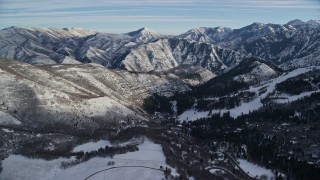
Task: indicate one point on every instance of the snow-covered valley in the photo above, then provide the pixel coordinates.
(128, 166)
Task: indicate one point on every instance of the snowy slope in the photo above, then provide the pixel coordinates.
(256, 71)
(262, 91)
(40, 45)
(80, 97)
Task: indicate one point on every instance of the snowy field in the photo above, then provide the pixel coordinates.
(17, 167)
(255, 170)
(192, 115)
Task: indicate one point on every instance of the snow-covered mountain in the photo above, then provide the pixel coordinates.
(82, 97)
(295, 44)
(41, 45)
(287, 44)
(54, 46)
(167, 53)
(208, 35)
(141, 50)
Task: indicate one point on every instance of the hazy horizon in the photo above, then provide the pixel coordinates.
(166, 17)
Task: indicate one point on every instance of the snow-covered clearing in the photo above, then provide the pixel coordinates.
(192, 115)
(7, 119)
(149, 155)
(91, 146)
(255, 170)
(295, 97)
(7, 130)
(216, 171)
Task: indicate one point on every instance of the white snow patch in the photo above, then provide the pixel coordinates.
(255, 170)
(91, 146)
(174, 107)
(130, 44)
(192, 115)
(216, 171)
(7, 130)
(69, 60)
(295, 97)
(245, 108)
(7, 119)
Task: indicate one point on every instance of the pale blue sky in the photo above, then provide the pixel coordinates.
(164, 16)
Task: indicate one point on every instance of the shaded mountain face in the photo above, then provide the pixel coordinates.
(83, 98)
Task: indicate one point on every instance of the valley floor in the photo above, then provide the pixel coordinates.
(149, 155)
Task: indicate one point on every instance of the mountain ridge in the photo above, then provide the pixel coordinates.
(285, 45)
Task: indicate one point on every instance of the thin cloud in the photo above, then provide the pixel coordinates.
(95, 18)
(189, 13)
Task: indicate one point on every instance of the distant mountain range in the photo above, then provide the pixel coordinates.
(295, 44)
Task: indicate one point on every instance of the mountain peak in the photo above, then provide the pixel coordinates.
(144, 34)
(257, 24)
(144, 29)
(314, 22)
(223, 29)
(295, 22)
